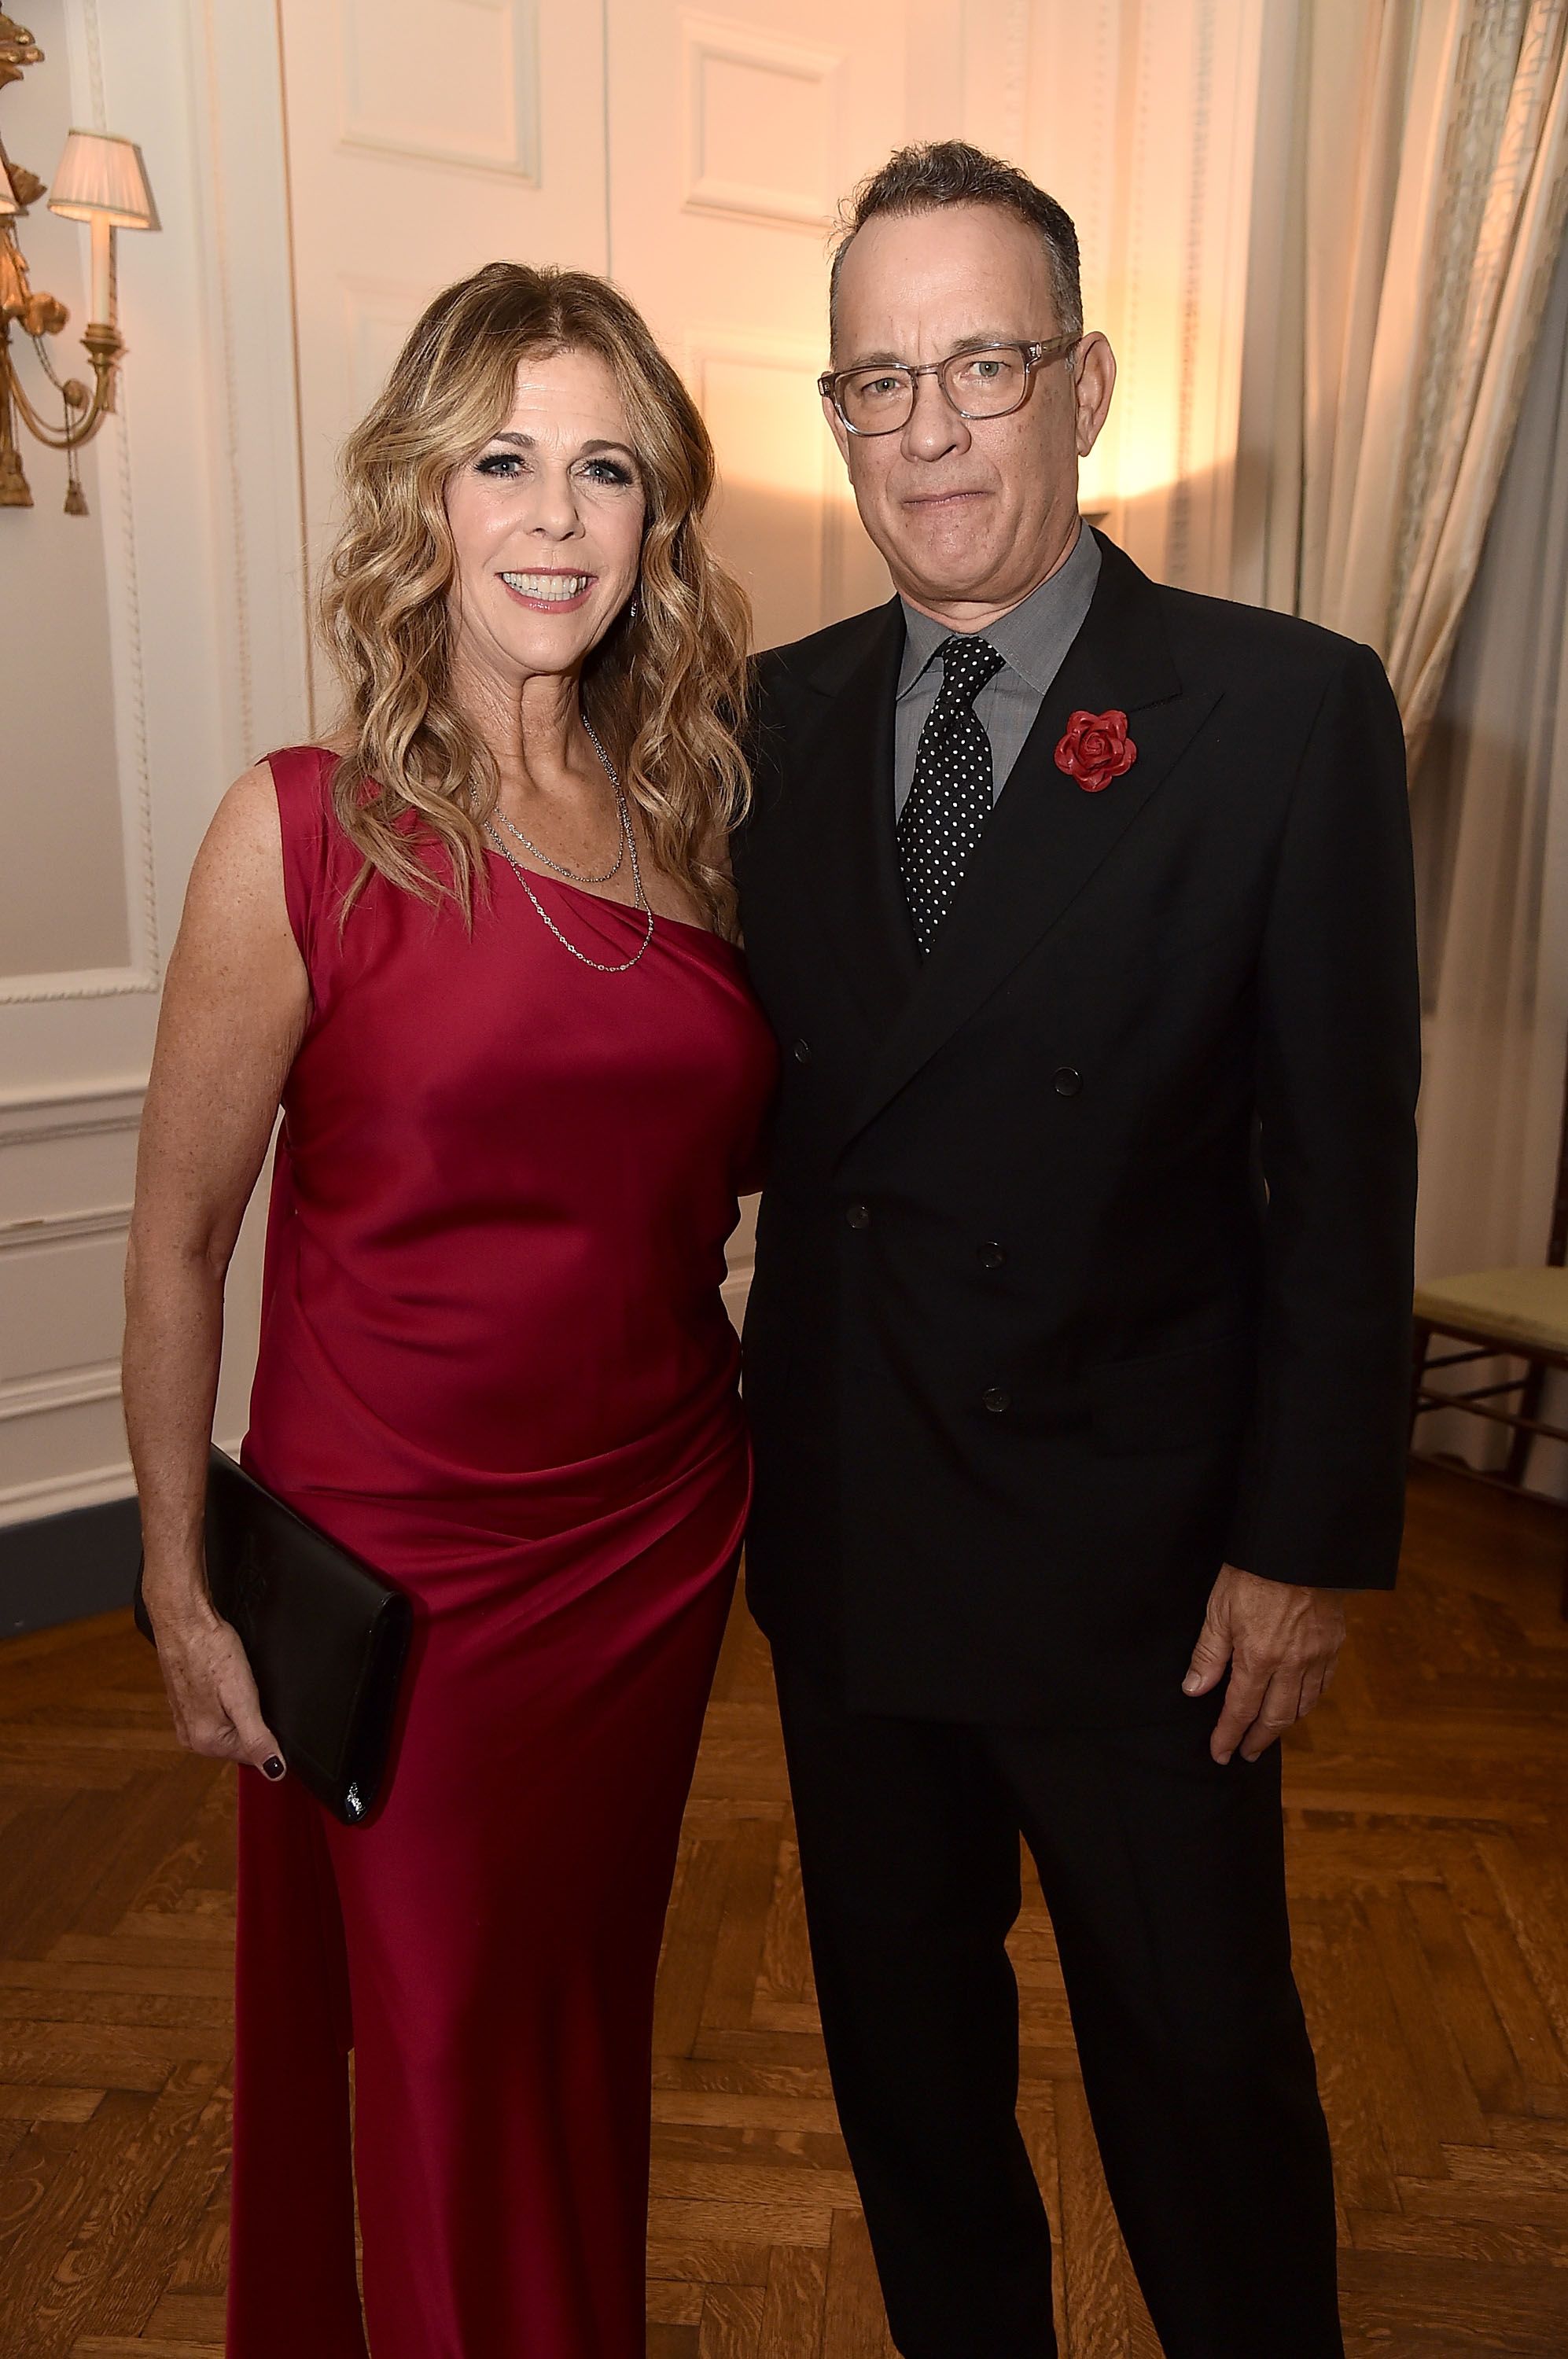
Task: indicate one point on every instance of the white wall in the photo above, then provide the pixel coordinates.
(57, 762)
(167, 632)
(187, 493)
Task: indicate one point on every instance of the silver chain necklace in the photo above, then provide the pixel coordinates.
(628, 842)
(572, 875)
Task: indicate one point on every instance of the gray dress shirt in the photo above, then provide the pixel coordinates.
(1032, 640)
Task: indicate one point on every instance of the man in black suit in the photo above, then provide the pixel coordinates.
(1077, 1348)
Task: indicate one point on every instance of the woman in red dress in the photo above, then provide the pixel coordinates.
(479, 949)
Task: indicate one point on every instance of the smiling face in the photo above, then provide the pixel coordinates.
(970, 514)
(547, 523)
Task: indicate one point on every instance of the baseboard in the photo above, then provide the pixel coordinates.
(63, 1568)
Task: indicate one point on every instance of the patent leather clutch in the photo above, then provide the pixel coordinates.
(326, 1636)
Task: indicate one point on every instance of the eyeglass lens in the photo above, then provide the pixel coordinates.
(978, 385)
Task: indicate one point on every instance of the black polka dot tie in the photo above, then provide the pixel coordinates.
(950, 801)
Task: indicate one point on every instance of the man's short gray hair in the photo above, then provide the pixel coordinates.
(951, 172)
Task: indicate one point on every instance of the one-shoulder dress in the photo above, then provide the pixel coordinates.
(495, 1363)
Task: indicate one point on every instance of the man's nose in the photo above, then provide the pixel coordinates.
(934, 428)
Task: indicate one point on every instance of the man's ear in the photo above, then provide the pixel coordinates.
(839, 429)
(1093, 382)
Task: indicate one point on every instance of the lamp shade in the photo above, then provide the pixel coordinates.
(100, 178)
(9, 205)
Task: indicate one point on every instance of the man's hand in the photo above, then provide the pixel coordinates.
(1281, 1644)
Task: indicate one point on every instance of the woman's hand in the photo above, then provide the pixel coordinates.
(212, 1693)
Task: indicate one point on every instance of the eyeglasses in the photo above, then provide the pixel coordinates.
(987, 382)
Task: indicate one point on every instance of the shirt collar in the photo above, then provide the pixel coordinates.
(1032, 637)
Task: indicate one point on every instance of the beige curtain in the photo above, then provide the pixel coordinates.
(1421, 211)
(1489, 802)
(1412, 191)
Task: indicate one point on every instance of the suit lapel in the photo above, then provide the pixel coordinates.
(1046, 837)
(842, 762)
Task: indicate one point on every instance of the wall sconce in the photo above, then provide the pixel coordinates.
(100, 182)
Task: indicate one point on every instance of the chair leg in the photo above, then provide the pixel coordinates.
(1420, 1343)
(1529, 1406)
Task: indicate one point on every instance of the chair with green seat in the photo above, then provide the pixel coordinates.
(1515, 1314)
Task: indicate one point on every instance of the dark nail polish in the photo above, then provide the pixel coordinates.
(273, 1768)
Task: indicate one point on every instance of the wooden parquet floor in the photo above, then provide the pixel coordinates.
(1429, 1847)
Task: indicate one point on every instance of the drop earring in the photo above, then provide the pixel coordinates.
(635, 609)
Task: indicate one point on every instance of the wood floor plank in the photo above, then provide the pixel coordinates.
(1106, 2314)
(732, 1985)
(1450, 2309)
(732, 2322)
(115, 2265)
(671, 2342)
(854, 2325)
(794, 2297)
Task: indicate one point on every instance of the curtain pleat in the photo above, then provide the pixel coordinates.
(1431, 197)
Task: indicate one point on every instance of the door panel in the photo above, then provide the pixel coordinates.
(732, 139)
(426, 138)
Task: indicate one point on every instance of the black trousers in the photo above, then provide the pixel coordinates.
(1164, 1878)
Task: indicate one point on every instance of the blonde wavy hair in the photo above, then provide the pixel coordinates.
(665, 689)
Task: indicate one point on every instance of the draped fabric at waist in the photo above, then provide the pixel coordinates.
(342, 1448)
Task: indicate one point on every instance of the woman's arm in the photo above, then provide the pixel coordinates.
(234, 1008)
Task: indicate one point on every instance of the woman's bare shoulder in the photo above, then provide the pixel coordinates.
(246, 824)
(238, 871)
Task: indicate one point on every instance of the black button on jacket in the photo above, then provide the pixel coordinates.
(1165, 1044)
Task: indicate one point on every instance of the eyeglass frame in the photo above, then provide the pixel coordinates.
(1036, 355)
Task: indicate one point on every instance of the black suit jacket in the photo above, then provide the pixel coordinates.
(1084, 1261)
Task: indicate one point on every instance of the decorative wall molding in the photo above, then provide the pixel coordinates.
(67, 1156)
(69, 1111)
(252, 367)
(768, 348)
(986, 96)
(1015, 77)
(146, 971)
(69, 1388)
(62, 1228)
(799, 471)
(142, 971)
(792, 478)
(713, 42)
(97, 1485)
(80, 983)
(218, 183)
(509, 79)
(378, 315)
(1177, 544)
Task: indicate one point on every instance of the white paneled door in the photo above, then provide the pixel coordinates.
(428, 137)
(734, 134)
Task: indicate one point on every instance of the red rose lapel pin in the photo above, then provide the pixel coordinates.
(1096, 749)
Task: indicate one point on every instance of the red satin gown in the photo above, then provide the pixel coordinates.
(495, 1362)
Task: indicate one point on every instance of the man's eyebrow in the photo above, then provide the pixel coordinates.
(987, 336)
(975, 343)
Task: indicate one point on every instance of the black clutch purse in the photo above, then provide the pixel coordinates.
(326, 1637)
